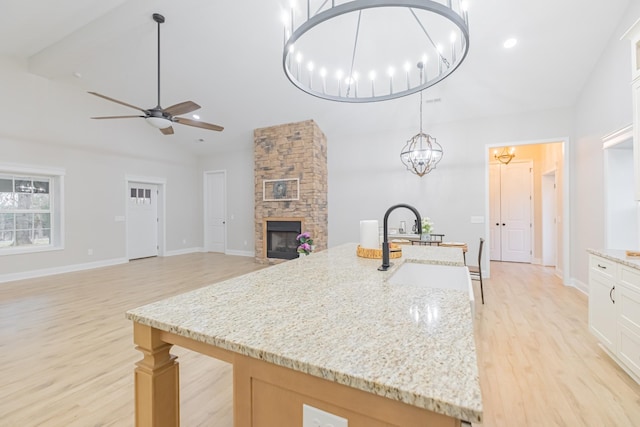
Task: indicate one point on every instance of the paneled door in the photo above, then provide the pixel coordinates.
(510, 211)
(142, 221)
(215, 211)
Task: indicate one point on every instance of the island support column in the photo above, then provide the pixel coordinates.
(157, 384)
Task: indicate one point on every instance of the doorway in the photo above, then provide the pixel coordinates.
(510, 200)
(145, 213)
(548, 157)
(215, 211)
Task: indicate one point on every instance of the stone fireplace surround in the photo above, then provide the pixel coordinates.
(286, 152)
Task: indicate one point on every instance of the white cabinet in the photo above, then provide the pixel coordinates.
(636, 135)
(602, 308)
(629, 318)
(614, 311)
(633, 34)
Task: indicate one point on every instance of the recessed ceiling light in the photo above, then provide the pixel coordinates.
(197, 117)
(509, 43)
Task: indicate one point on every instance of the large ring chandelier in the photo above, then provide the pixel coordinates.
(385, 37)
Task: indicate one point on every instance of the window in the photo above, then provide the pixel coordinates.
(30, 210)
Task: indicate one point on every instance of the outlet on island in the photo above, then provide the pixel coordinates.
(314, 417)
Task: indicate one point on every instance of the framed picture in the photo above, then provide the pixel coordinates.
(285, 189)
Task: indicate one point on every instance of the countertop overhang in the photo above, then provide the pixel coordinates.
(333, 315)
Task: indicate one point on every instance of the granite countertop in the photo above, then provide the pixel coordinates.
(333, 315)
(617, 255)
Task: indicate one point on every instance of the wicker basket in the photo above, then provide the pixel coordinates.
(395, 251)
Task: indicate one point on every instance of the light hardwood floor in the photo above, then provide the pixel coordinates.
(67, 355)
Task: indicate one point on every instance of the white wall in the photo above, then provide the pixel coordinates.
(55, 131)
(604, 106)
(366, 176)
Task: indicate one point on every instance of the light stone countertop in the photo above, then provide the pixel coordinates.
(617, 255)
(332, 315)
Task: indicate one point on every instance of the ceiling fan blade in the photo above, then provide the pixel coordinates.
(182, 108)
(167, 131)
(118, 117)
(197, 124)
(118, 102)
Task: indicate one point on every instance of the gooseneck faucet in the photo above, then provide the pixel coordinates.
(385, 243)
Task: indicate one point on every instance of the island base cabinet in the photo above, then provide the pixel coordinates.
(266, 395)
(614, 311)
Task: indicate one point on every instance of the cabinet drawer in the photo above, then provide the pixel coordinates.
(629, 349)
(630, 277)
(602, 266)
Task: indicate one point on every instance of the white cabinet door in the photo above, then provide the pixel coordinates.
(636, 135)
(602, 310)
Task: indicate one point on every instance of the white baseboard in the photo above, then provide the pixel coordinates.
(183, 251)
(582, 287)
(240, 253)
(59, 270)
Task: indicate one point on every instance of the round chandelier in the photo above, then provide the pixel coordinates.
(421, 153)
(383, 37)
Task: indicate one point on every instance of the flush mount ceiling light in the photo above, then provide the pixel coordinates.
(421, 153)
(509, 43)
(360, 50)
(505, 156)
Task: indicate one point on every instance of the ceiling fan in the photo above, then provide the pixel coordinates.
(162, 118)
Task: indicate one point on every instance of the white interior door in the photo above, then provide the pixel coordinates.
(510, 211)
(142, 221)
(215, 211)
(549, 228)
(515, 212)
(495, 251)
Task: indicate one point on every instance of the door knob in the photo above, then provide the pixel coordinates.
(498, 224)
(503, 224)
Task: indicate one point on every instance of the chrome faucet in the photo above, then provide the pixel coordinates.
(385, 243)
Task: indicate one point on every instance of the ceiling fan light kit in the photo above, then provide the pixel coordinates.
(158, 117)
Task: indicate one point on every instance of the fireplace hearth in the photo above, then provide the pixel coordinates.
(281, 239)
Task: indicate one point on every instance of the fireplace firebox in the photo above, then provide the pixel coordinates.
(281, 239)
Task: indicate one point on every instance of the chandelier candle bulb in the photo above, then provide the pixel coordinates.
(369, 234)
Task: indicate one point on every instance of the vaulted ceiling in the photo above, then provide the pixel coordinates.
(226, 56)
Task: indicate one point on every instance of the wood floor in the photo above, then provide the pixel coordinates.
(67, 355)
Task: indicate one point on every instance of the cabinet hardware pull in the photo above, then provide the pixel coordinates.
(610, 292)
(604, 267)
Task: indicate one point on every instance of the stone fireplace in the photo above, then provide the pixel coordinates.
(290, 189)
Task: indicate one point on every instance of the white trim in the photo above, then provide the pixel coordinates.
(184, 251)
(59, 270)
(205, 198)
(236, 252)
(56, 191)
(579, 285)
(536, 261)
(30, 169)
(566, 204)
(162, 209)
(617, 137)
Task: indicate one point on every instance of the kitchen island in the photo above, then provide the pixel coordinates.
(327, 331)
